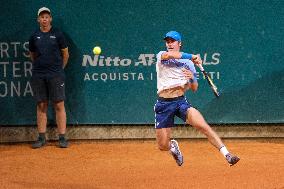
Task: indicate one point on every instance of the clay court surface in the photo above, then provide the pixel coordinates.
(139, 164)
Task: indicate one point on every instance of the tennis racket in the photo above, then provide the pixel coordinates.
(209, 80)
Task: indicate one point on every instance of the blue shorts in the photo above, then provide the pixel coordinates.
(167, 108)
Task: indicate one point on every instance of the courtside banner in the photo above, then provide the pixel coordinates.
(241, 44)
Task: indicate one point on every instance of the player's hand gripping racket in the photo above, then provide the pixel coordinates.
(209, 80)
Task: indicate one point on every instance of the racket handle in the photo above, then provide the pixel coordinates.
(200, 67)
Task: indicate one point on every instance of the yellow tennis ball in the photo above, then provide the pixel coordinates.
(97, 50)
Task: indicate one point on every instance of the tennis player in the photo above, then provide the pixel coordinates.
(175, 75)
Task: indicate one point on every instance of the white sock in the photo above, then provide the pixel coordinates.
(224, 151)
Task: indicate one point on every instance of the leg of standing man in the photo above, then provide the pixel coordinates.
(61, 123)
(41, 124)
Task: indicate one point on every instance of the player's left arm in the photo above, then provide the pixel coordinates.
(191, 77)
(192, 86)
(65, 56)
(181, 55)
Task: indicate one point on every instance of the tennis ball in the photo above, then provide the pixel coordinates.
(97, 50)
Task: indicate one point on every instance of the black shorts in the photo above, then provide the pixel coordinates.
(52, 89)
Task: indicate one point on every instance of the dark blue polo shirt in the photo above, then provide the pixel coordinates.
(47, 47)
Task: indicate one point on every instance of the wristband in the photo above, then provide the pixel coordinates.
(186, 56)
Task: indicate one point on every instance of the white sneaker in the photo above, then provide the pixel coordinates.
(176, 153)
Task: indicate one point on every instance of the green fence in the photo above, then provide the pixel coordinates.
(241, 43)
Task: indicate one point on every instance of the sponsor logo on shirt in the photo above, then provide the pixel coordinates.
(173, 63)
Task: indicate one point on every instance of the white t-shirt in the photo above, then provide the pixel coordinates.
(169, 73)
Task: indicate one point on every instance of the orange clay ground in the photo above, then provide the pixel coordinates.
(139, 164)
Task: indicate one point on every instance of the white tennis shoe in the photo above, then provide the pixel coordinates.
(176, 153)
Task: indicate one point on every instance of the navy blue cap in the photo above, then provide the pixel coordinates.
(174, 35)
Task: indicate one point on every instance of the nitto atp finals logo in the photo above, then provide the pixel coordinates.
(100, 68)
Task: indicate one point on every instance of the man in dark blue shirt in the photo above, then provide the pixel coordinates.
(49, 54)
